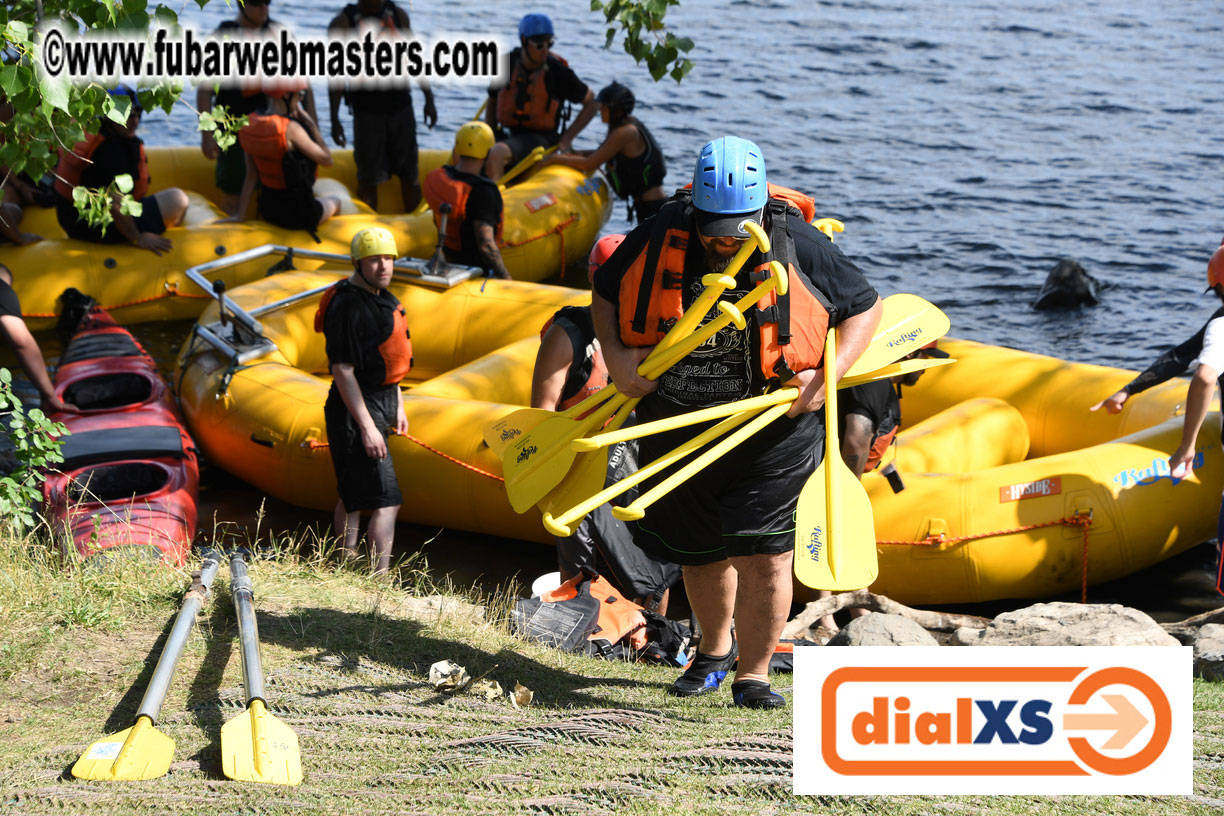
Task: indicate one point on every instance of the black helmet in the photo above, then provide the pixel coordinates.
(617, 97)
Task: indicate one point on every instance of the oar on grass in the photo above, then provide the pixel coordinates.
(255, 745)
(143, 752)
(834, 526)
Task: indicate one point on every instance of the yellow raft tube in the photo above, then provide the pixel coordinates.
(1005, 468)
(259, 416)
(551, 220)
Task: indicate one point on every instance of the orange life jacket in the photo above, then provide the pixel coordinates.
(791, 329)
(525, 103)
(587, 373)
(879, 447)
(71, 165)
(396, 350)
(266, 140)
(445, 186)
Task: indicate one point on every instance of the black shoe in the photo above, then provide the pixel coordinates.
(704, 674)
(756, 694)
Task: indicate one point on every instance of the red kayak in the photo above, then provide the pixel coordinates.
(130, 477)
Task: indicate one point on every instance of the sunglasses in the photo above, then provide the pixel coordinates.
(542, 41)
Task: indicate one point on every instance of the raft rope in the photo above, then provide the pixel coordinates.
(314, 444)
(171, 290)
(559, 229)
(1082, 519)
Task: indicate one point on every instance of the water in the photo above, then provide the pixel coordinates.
(967, 146)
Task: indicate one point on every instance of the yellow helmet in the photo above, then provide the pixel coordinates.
(474, 139)
(373, 241)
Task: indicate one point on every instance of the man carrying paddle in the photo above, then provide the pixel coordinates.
(732, 526)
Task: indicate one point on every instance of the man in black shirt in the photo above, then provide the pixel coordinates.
(732, 526)
(368, 353)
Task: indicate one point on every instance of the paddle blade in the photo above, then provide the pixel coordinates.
(258, 747)
(501, 434)
(840, 559)
(139, 752)
(907, 324)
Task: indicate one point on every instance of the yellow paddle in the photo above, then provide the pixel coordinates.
(572, 490)
(834, 527)
(538, 460)
(143, 752)
(255, 745)
(907, 324)
(526, 162)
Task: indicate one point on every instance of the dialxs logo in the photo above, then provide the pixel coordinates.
(907, 337)
(1084, 720)
(815, 544)
(526, 453)
(1159, 469)
(1030, 490)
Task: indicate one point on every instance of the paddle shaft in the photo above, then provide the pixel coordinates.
(155, 694)
(832, 451)
(248, 631)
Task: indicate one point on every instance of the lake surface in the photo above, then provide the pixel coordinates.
(967, 146)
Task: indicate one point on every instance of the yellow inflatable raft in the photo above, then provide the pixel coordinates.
(1014, 489)
(255, 404)
(551, 220)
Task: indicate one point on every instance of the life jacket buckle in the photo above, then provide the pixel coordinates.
(767, 315)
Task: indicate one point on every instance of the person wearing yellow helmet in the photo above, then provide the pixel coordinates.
(368, 352)
(472, 203)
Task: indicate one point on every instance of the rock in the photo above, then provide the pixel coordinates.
(1209, 653)
(1066, 287)
(878, 629)
(1069, 624)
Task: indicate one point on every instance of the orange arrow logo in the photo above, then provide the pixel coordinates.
(1126, 721)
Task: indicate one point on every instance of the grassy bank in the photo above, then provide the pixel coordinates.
(347, 660)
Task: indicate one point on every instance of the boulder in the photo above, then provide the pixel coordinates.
(1209, 653)
(1069, 624)
(878, 629)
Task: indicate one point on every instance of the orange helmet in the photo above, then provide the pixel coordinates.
(601, 252)
(1215, 267)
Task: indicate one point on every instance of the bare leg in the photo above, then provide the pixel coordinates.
(173, 204)
(411, 193)
(10, 216)
(229, 204)
(381, 533)
(712, 591)
(346, 527)
(331, 206)
(369, 194)
(827, 621)
(495, 164)
(761, 609)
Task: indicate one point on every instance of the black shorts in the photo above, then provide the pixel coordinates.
(385, 145)
(149, 220)
(290, 209)
(363, 483)
(525, 141)
(742, 504)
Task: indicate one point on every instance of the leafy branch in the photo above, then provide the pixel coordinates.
(645, 37)
(36, 446)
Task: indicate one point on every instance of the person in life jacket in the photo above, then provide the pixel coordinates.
(283, 147)
(368, 352)
(630, 155)
(473, 224)
(732, 526)
(1203, 355)
(870, 416)
(19, 191)
(529, 106)
(251, 21)
(116, 150)
(568, 368)
(384, 124)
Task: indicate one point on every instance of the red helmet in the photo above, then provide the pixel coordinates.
(1215, 267)
(601, 252)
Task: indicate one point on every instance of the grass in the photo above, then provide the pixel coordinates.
(347, 659)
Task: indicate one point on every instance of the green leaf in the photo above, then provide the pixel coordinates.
(11, 80)
(124, 182)
(682, 43)
(130, 206)
(80, 196)
(55, 92)
(120, 109)
(17, 31)
(596, 5)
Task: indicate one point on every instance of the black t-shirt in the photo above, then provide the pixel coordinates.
(877, 401)
(725, 369)
(9, 304)
(357, 322)
(484, 204)
(232, 96)
(114, 157)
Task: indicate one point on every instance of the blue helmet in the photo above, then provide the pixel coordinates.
(533, 25)
(729, 177)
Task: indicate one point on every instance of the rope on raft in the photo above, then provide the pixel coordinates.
(559, 229)
(171, 290)
(1083, 520)
(314, 444)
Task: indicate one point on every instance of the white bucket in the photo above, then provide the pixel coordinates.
(545, 583)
